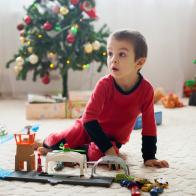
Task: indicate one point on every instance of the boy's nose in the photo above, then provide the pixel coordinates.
(115, 60)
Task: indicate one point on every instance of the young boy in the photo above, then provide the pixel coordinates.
(114, 105)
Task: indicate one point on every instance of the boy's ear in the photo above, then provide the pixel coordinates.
(140, 62)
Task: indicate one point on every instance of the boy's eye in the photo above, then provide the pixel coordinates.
(110, 54)
(122, 54)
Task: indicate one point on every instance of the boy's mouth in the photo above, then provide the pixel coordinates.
(114, 69)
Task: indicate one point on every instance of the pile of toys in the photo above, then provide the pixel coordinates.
(159, 93)
(25, 153)
(141, 184)
(170, 100)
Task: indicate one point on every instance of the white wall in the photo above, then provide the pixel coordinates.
(168, 25)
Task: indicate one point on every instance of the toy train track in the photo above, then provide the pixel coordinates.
(59, 179)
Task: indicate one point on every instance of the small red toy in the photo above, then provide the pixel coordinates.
(135, 191)
(39, 164)
(189, 87)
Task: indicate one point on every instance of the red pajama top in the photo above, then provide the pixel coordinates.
(116, 112)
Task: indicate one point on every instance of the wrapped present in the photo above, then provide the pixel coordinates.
(75, 109)
(35, 111)
(77, 103)
(45, 107)
(48, 107)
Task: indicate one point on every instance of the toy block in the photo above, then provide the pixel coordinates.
(158, 119)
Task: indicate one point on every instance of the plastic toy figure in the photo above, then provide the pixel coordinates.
(39, 164)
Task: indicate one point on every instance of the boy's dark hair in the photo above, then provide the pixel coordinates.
(137, 40)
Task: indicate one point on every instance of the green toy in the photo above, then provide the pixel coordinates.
(120, 177)
(65, 148)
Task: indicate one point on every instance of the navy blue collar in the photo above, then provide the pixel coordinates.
(130, 90)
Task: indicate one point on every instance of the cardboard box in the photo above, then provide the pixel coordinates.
(35, 111)
(73, 108)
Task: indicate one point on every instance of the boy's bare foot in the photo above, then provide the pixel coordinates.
(38, 143)
(43, 151)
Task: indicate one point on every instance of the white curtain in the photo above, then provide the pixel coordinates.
(168, 25)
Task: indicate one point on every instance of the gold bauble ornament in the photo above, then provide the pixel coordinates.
(88, 48)
(22, 40)
(64, 10)
(52, 56)
(33, 59)
(96, 45)
(30, 49)
(19, 61)
(17, 69)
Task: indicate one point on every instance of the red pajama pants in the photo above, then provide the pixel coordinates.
(75, 137)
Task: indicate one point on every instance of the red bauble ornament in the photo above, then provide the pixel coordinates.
(74, 2)
(47, 26)
(46, 79)
(92, 13)
(20, 26)
(56, 9)
(88, 9)
(27, 20)
(70, 38)
(86, 6)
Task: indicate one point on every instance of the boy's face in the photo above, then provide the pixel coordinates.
(121, 59)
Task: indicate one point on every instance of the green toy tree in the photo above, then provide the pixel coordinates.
(59, 34)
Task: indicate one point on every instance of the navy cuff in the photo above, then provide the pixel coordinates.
(97, 135)
(149, 147)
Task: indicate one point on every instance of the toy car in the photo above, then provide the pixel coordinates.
(135, 191)
(161, 183)
(156, 191)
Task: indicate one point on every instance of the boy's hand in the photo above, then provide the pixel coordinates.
(156, 163)
(111, 151)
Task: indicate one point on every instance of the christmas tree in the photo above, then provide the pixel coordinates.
(59, 34)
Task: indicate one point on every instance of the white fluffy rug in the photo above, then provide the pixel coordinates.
(176, 143)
